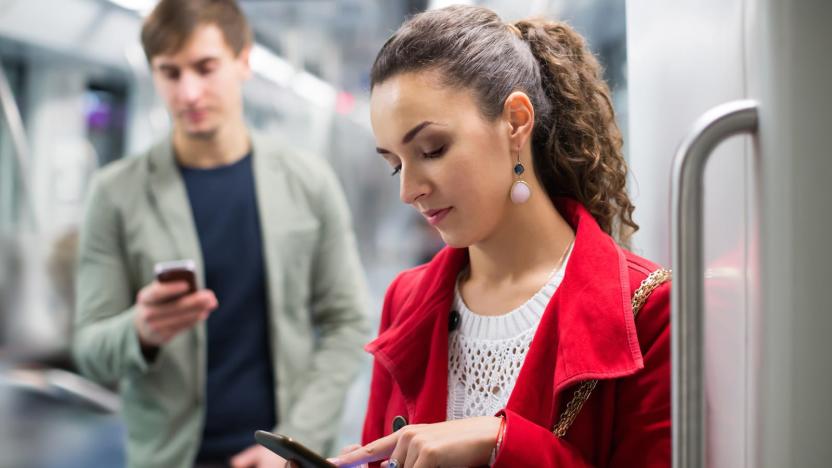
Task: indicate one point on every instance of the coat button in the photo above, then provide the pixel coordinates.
(399, 422)
(453, 320)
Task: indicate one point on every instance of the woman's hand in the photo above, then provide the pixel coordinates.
(348, 449)
(463, 442)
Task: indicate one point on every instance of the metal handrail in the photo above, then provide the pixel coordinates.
(63, 386)
(687, 311)
(20, 144)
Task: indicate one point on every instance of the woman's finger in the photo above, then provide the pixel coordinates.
(349, 448)
(405, 452)
(424, 461)
(374, 451)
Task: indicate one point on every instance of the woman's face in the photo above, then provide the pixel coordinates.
(454, 166)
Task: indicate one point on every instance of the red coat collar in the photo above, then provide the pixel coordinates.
(586, 332)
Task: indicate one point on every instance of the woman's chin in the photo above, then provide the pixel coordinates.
(455, 239)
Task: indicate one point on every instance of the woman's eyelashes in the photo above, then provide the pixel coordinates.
(427, 155)
(435, 153)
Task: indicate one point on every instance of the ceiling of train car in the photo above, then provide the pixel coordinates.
(337, 39)
(334, 40)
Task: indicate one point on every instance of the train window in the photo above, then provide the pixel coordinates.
(105, 116)
(603, 23)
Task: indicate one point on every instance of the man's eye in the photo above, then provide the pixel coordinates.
(396, 170)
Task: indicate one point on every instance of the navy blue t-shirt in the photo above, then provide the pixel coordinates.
(239, 393)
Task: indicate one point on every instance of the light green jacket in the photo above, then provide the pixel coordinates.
(138, 214)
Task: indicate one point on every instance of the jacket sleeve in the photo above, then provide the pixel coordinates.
(641, 432)
(338, 307)
(527, 444)
(381, 385)
(105, 344)
(642, 428)
(374, 422)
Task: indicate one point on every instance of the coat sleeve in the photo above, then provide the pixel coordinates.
(642, 428)
(338, 307)
(641, 431)
(381, 385)
(105, 344)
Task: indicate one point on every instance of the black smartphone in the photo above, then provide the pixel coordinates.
(177, 270)
(292, 450)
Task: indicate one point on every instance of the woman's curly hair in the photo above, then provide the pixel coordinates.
(576, 143)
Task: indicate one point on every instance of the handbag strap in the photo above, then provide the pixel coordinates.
(653, 281)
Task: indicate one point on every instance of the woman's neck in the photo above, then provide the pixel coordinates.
(529, 245)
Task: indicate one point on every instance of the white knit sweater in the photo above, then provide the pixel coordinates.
(486, 352)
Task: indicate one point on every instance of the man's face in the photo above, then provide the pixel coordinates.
(201, 83)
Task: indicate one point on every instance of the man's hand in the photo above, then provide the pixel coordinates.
(258, 456)
(162, 314)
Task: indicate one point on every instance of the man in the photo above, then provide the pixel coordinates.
(273, 339)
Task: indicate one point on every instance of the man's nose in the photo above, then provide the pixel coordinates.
(189, 88)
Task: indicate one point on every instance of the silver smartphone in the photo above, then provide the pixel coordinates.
(291, 450)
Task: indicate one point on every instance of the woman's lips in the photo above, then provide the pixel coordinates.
(434, 217)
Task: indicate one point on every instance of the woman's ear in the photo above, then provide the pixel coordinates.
(519, 113)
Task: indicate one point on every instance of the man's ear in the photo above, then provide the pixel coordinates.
(244, 61)
(518, 112)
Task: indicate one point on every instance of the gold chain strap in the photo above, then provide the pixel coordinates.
(585, 389)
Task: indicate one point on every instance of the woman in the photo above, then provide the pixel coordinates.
(504, 138)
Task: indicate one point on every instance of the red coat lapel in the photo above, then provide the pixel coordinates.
(414, 350)
(588, 331)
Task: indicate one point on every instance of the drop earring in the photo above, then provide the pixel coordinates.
(520, 190)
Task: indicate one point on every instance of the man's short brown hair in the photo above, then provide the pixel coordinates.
(173, 21)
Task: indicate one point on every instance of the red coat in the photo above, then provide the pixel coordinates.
(587, 332)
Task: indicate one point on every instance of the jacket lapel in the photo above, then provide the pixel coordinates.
(168, 196)
(170, 200)
(270, 188)
(586, 332)
(415, 349)
(274, 206)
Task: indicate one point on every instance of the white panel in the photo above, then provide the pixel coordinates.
(684, 58)
(62, 158)
(791, 66)
(87, 29)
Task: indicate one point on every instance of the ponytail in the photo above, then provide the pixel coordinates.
(577, 145)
